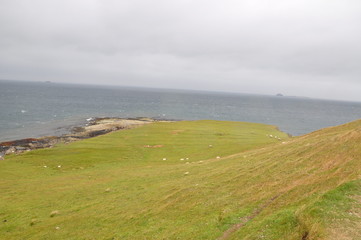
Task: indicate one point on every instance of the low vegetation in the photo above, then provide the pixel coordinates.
(187, 180)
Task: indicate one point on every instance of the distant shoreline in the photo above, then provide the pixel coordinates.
(94, 127)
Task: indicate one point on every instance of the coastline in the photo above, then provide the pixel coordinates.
(94, 127)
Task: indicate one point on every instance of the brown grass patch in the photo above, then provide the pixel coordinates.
(153, 146)
(176, 132)
(347, 229)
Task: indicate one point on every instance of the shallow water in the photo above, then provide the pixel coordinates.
(34, 109)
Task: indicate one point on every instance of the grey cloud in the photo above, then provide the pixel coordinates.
(247, 46)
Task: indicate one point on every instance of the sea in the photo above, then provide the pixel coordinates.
(36, 109)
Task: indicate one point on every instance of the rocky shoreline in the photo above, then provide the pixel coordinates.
(94, 127)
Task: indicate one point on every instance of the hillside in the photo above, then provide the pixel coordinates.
(188, 180)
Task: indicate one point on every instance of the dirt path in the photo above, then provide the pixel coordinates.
(245, 220)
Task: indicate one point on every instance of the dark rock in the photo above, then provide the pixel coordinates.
(77, 129)
(97, 133)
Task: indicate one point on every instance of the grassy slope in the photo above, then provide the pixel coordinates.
(112, 187)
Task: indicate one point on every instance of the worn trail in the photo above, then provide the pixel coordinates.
(245, 220)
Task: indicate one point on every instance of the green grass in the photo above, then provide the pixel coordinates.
(115, 187)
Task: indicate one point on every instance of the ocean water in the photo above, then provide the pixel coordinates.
(34, 109)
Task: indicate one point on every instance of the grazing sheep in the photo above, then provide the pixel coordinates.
(54, 213)
(33, 221)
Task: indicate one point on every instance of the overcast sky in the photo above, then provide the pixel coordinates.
(299, 47)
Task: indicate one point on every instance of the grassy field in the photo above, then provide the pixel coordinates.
(187, 180)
